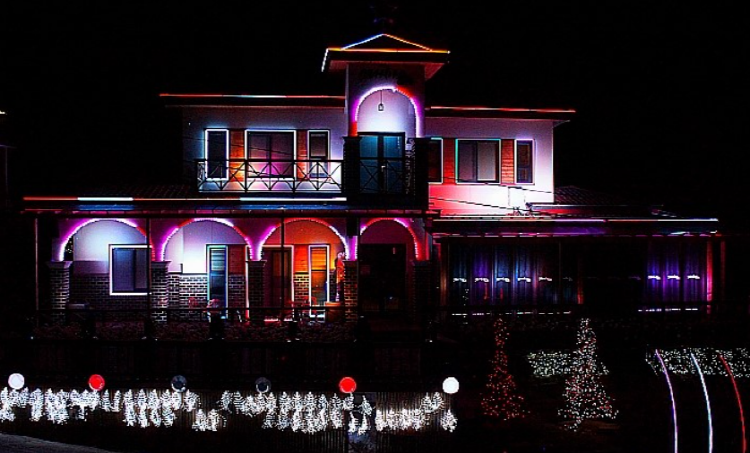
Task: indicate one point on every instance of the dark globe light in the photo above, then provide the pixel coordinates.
(179, 383)
(262, 385)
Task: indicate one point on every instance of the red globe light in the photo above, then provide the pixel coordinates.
(347, 385)
(96, 382)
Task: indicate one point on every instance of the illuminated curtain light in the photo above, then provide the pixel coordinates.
(708, 404)
(679, 361)
(673, 277)
(524, 279)
(557, 363)
(654, 277)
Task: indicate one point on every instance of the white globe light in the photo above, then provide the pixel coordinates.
(450, 385)
(16, 381)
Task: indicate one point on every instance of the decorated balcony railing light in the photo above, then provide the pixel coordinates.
(282, 175)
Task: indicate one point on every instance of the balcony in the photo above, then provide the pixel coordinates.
(398, 178)
(290, 176)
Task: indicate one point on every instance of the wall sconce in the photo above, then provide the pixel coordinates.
(381, 107)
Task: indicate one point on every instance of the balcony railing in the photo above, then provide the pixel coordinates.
(276, 175)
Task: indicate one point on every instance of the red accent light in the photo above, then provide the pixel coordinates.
(96, 382)
(347, 385)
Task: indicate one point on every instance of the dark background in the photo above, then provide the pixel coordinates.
(660, 90)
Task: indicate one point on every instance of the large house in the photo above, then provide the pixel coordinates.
(437, 209)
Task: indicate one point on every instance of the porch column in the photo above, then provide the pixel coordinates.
(255, 291)
(350, 171)
(351, 291)
(420, 300)
(59, 288)
(159, 291)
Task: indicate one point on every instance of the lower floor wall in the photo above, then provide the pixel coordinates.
(180, 296)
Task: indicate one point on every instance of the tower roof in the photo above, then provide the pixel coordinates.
(385, 48)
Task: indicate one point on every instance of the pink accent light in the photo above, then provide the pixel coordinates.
(410, 96)
(273, 228)
(401, 222)
(163, 248)
(78, 227)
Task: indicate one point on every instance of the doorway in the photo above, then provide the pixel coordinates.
(382, 279)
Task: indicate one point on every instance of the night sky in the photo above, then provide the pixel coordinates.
(661, 91)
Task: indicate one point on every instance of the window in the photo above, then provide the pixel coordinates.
(524, 162)
(435, 160)
(217, 275)
(317, 149)
(128, 270)
(271, 153)
(216, 153)
(478, 160)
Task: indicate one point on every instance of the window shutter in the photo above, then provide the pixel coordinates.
(236, 259)
(507, 162)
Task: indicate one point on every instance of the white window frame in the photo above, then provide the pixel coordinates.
(498, 171)
(276, 131)
(324, 161)
(112, 248)
(226, 153)
(515, 161)
(442, 160)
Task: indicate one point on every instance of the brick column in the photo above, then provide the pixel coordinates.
(351, 291)
(255, 277)
(59, 276)
(159, 291)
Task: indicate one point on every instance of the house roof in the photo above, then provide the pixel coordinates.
(385, 48)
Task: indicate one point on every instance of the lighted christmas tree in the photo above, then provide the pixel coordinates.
(501, 399)
(585, 397)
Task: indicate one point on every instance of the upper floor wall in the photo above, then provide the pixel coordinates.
(479, 161)
(491, 166)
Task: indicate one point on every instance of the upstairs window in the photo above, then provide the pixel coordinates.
(271, 153)
(216, 153)
(435, 160)
(128, 270)
(524, 162)
(478, 160)
(318, 145)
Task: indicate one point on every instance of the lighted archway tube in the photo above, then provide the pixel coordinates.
(708, 404)
(739, 402)
(671, 396)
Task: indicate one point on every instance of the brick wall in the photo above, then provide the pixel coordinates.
(301, 286)
(93, 289)
(59, 274)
